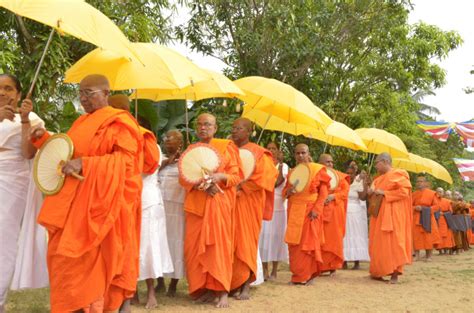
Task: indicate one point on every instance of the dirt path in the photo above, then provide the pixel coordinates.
(444, 285)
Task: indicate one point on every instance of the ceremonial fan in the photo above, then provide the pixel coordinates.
(49, 161)
(248, 162)
(197, 163)
(334, 178)
(299, 177)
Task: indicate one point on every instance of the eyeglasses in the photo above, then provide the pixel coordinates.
(88, 93)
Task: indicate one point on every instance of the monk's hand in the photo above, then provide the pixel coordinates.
(312, 215)
(37, 133)
(212, 190)
(379, 192)
(7, 112)
(72, 166)
(290, 191)
(329, 199)
(217, 178)
(418, 208)
(25, 109)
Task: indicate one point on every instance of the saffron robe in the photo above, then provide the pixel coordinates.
(423, 240)
(94, 225)
(304, 236)
(390, 237)
(445, 234)
(250, 206)
(334, 225)
(208, 243)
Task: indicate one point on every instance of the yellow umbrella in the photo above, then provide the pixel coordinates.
(162, 68)
(339, 134)
(280, 100)
(414, 163)
(379, 140)
(217, 86)
(439, 171)
(76, 18)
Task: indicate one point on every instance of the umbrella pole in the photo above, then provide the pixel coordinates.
(38, 68)
(136, 104)
(264, 126)
(281, 140)
(325, 146)
(187, 121)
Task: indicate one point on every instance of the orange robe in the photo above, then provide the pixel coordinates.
(423, 240)
(390, 238)
(208, 243)
(469, 232)
(250, 206)
(151, 153)
(445, 234)
(93, 225)
(334, 225)
(461, 237)
(303, 236)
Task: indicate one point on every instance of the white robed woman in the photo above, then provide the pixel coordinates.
(173, 198)
(272, 244)
(356, 239)
(22, 240)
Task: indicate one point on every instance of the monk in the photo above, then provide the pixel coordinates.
(446, 235)
(423, 239)
(305, 211)
(208, 243)
(390, 239)
(254, 203)
(471, 213)
(334, 219)
(460, 208)
(94, 224)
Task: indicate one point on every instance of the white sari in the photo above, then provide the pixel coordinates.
(22, 240)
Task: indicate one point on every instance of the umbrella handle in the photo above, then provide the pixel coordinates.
(40, 64)
(264, 126)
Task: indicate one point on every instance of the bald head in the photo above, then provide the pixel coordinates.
(440, 192)
(119, 101)
(421, 182)
(326, 160)
(93, 92)
(383, 163)
(206, 127)
(302, 153)
(241, 131)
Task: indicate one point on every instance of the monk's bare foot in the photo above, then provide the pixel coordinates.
(126, 308)
(160, 287)
(135, 300)
(393, 279)
(223, 301)
(244, 292)
(206, 297)
(332, 273)
(309, 282)
(377, 278)
(151, 302)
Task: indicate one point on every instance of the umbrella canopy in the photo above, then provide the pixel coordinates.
(271, 122)
(439, 171)
(162, 68)
(379, 140)
(280, 100)
(76, 18)
(217, 86)
(339, 134)
(414, 163)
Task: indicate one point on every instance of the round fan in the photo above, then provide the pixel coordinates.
(49, 160)
(334, 178)
(248, 162)
(197, 161)
(299, 177)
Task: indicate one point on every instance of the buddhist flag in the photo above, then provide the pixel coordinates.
(437, 130)
(466, 131)
(466, 168)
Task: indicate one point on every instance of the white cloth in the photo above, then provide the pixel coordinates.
(155, 258)
(173, 198)
(356, 240)
(259, 279)
(16, 205)
(272, 244)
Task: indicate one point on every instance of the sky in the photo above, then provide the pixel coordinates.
(455, 105)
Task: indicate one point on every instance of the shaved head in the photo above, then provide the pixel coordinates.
(96, 80)
(119, 101)
(245, 122)
(94, 91)
(302, 153)
(241, 131)
(206, 127)
(383, 163)
(440, 192)
(384, 156)
(326, 160)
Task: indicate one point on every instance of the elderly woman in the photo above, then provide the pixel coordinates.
(356, 243)
(18, 195)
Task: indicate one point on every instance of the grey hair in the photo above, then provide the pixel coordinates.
(384, 156)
